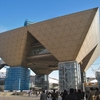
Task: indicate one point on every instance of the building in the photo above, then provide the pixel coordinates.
(32, 81)
(69, 75)
(91, 82)
(43, 45)
(2, 78)
(17, 78)
(52, 82)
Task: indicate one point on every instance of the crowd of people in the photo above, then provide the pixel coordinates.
(72, 94)
(93, 94)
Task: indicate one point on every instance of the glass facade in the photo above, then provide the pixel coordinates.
(42, 81)
(17, 78)
(39, 50)
(69, 75)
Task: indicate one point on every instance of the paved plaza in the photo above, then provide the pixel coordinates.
(14, 97)
(22, 98)
(18, 98)
(8, 96)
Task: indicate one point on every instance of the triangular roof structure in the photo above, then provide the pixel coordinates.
(73, 37)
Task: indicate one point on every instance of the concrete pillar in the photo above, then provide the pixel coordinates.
(83, 76)
(98, 78)
(42, 81)
(83, 79)
(69, 75)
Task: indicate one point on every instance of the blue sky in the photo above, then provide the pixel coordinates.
(13, 14)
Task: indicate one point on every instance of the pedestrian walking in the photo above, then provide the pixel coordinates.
(71, 95)
(43, 96)
(91, 94)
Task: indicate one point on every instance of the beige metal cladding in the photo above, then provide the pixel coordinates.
(12, 45)
(68, 38)
(92, 38)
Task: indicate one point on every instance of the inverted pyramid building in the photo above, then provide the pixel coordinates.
(40, 46)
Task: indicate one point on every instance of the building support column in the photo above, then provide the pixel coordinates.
(17, 78)
(42, 81)
(83, 80)
(69, 75)
(98, 78)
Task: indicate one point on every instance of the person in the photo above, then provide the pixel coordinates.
(29, 93)
(36, 92)
(79, 95)
(71, 95)
(87, 93)
(54, 95)
(64, 94)
(97, 94)
(91, 94)
(43, 96)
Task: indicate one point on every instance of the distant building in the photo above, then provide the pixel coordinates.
(32, 81)
(89, 79)
(2, 78)
(2, 74)
(53, 83)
